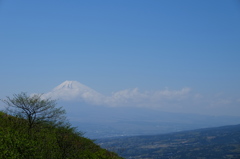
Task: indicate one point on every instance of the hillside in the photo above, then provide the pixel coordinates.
(45, 141)
(214, 143)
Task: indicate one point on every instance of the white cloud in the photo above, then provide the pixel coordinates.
(182, 100)
(133, 97)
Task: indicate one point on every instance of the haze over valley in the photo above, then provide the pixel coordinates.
(124, 113)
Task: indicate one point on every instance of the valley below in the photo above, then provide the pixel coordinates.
(215, 143)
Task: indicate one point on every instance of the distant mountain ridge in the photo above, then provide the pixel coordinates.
(211, 143)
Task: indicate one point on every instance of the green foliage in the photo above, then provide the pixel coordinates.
(49, 137)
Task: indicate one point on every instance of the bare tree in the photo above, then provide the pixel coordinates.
(34, 109)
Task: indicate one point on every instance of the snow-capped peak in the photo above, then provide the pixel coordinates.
(66, 84)
(73, 90)
(72, 85)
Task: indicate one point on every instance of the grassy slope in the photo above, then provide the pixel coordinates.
(45, 141)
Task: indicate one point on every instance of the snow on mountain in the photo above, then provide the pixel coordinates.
(73, 90)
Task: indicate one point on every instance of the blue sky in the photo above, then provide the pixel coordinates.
(117, 45)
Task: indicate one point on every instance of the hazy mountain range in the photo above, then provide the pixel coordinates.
(124, 113)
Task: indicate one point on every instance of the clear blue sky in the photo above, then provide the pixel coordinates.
(115, 45)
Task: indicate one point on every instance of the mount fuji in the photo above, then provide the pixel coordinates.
(75, 91)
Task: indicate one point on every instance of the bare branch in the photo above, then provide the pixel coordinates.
(34, 109)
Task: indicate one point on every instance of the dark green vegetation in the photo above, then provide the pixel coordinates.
(214, 143)
(34, 128)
